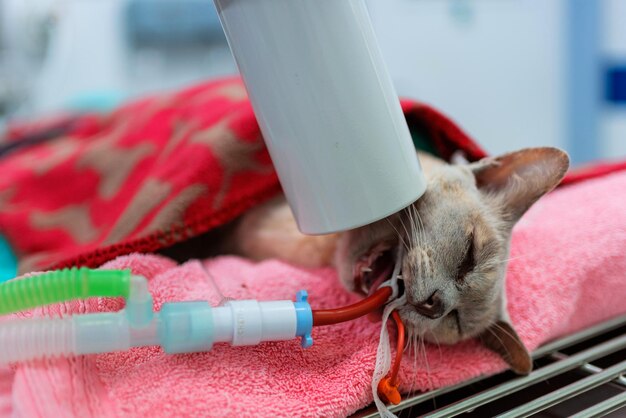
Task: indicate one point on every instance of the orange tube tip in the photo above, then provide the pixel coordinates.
(388, 392)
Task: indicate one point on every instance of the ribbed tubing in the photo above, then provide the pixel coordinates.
(35, 338)
(62, 285)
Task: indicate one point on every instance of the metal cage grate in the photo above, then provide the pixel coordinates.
(580, 375)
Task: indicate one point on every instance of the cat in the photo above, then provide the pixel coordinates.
(456, 246)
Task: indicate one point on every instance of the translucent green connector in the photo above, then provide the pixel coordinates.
(62, 285)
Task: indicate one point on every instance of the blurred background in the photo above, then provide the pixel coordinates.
(513, 73)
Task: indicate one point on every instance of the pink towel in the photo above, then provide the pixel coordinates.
(567, 271)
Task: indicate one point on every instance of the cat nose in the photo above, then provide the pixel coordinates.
(432, 308)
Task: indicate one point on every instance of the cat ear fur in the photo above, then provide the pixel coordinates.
(520, 178)
(501, 338)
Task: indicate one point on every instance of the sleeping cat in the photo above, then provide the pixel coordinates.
(456, 240)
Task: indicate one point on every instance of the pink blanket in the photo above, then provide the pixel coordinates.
(567, 272)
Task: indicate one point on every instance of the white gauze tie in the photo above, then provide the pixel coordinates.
(383, 353)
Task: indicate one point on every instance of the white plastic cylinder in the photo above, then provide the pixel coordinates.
(251, 322)
(102, 332)
(326, 107)
(34, 338)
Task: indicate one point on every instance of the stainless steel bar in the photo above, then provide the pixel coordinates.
(589, 368)
(603, 408)
(546, 372)
(566, 392)
(580, 336)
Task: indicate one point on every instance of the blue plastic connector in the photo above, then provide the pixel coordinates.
(304, 316)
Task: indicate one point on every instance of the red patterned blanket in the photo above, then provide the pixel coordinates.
(153, 173)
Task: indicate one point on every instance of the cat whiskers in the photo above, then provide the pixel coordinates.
(457, 318)
(409, 231)
(438, 345)
(400, 237)
(409, 213)
(419, 238)
(506, 332)
(497, 263)
(502, 344)
(428, 372)
(415, 232)
(416, 346)
(413, 344)
(421, 229)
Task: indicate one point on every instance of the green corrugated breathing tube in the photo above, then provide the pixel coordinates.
(62, 285)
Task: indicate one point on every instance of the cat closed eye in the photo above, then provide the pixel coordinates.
(468, 262)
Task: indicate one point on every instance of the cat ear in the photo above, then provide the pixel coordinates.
(520, 178)
(501, 338)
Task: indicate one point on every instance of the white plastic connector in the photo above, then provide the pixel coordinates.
(139, 302)
(248, 322)
(101, 333)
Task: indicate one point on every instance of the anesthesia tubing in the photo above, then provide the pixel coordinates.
(178, 327)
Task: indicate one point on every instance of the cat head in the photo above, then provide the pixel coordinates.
(456, 239)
